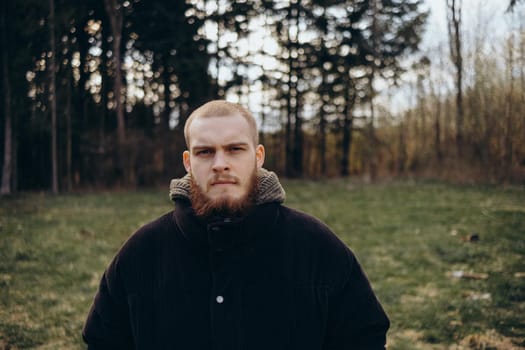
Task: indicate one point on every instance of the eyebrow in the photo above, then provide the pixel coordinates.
(233, 144)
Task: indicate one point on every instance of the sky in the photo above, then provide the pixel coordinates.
(484, 21)
(487, 15)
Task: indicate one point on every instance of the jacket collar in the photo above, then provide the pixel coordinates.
(270, 189)
(222, 234)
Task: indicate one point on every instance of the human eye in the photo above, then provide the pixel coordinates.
(236, 148)
(203, 152)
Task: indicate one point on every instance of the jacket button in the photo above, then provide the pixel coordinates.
(219, 299)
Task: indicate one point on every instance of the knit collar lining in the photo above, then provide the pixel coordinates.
(270, 189)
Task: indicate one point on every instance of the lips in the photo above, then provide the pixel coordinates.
(224, 181)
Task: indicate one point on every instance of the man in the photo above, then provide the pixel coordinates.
(231, 267)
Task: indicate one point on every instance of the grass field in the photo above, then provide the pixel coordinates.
(447, 261)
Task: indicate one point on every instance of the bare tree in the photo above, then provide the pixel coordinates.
(510, 104)
(522, 59)
(52, 97)
(402, 146)
(8, 151)
(454, 33)
(115, 14)
(67, 112)
(322, 127)
(512, 4)
(435, 86)
(348, 124)
(293, 97)
(371, 150)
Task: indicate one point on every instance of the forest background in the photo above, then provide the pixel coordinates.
(95, 93)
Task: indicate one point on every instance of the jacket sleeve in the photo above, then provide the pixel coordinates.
(108, 324)
(356, 319)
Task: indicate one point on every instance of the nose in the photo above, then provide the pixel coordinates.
(220, 163)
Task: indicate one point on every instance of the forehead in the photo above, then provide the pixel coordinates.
(212, 130)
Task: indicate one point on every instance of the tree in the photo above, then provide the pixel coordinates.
(348, 123)
(7, 169)
(509, 108)
(115, 13)
(291, 20)
(373, 37)
(435, 87)
(170, 30)
(52, 97)
(512, 4)
(454, 33)
(24, 31)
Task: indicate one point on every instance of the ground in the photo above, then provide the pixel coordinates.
(446, 261)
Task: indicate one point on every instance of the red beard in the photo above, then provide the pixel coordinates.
(205, 207)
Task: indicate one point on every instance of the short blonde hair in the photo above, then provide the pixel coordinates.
(221, 108)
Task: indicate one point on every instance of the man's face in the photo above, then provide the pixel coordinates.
(222, 158)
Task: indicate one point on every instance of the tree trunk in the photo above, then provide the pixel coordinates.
(521, 63)
(290, 171)
(288, 137)
(348, 122)
(115, 15)
(437, 132)
(509, 147)
(371, 148)
(263, 115)
(454, 30)
(322, 138)
(14, 153)
(165, 116)
(69, 176)
(7, 169)
(372, 144)
(104, 88)
(80, 100)
(52, 98)
(294, 97)
(322, 111)
(298, 141)
(402, 151)
(347, 139)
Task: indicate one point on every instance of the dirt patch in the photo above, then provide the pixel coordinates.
(490, 340)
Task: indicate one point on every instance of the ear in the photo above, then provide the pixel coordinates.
(186, 161)
(259, 156)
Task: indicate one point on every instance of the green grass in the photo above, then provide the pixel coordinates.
(407, 235)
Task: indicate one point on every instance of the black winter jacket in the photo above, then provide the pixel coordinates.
(277, 279)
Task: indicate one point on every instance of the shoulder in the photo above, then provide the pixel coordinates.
(136, 255)
(144, 241)
(315, 242)
(152, 230)
(306, 225)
